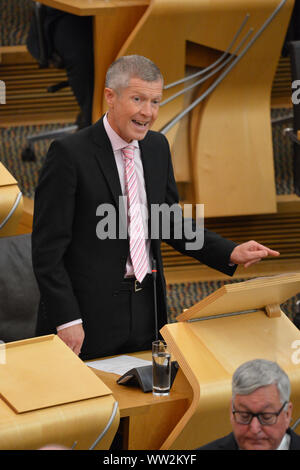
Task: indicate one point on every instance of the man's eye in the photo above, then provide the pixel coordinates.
(244, 415)
(266, 417)
(136, 98)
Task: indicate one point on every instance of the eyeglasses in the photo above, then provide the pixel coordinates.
(265, 419)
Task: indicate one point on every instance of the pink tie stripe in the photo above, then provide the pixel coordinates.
(137, 243)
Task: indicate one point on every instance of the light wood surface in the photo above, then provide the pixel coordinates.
(25, 225)
(91, 7)
(232, 154)
(174, 23)
(34, 375)
(132, 400)
(249, 295)
(149, 419)
(48, 395)
(111, 28)
(82, 422)
(210, 350)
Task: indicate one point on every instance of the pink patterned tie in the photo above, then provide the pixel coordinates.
(137, 243)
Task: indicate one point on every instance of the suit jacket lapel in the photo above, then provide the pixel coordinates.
(295, 440)
(106, 159)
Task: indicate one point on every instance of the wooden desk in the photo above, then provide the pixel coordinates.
(146, 421)
(91, 7)
(43, 402)
(237, 323)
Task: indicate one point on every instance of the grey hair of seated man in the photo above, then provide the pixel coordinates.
(259, 373)
(131, 66)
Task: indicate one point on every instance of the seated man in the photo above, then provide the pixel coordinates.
(261, 410)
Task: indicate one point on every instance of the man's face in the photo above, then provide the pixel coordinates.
(255, 436)
(133, 110)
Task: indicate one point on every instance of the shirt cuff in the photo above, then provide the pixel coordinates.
(70, 323)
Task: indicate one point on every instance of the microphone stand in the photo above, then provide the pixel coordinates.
(142, 376)
(154, 276)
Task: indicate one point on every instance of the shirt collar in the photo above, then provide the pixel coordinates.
(285, 443)
(116, 141)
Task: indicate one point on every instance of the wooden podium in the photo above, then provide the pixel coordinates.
(237, 323)
(11, 203)
(49, 396)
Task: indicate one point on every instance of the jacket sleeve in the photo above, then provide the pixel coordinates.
(52, 233)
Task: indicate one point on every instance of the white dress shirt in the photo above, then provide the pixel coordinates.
(285, 443)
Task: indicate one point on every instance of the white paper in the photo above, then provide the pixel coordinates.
(118, 365)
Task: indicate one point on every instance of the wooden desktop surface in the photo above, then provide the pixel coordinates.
(148, 420)
(91, 7)
(132, 400)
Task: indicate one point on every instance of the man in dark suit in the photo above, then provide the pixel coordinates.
(91, 292)
(261, 410)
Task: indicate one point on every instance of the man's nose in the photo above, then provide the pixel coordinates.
(147, 108)
(255, 425)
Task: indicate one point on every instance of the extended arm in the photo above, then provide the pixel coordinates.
(217, 252)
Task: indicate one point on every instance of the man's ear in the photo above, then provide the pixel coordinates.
(289, 413)
(109, 95)
(230, 411)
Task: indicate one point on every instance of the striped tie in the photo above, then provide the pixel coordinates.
(137, 243)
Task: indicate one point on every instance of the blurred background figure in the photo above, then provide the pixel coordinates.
(68, 41)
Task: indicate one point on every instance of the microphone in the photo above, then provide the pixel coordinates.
(154, 275)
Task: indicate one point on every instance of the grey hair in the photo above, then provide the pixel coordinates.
(259, 373)
(131, 66)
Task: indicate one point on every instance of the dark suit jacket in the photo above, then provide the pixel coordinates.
(77, 273)
(229, 443)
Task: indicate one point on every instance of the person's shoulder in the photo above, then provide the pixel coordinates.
(155, 141)
(78, 136)
(155, 136)
(227, 442)
(75, 142)
(295, 440)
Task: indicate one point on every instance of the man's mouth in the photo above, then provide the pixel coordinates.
(140, 123)
(257, 442)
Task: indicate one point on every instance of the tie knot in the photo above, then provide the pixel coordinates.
(128, 152)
